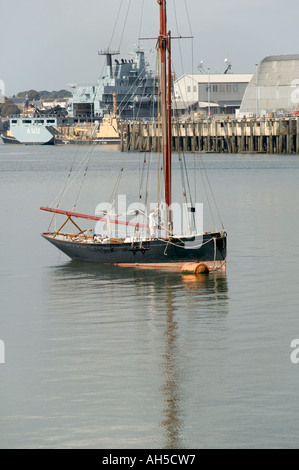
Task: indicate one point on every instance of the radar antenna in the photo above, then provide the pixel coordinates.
(109, 53)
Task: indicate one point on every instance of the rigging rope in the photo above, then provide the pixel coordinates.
(117, 183)
(115, 24)
(212, 193)
(119, 10)
(62, 192)
(143, 93)
(206, 193)
(128, 96)
(189, 189)
(140, 24)
(182, 98)
(192, 43)
(188, 17)
(133, 84)
(83, 179)
(184, 175)
(178, 34)
(125, 22)
(78, 170)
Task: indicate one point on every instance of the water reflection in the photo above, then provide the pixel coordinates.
(171, 308)
(195, 287)
(172, 421)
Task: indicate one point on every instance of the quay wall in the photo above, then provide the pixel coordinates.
(264, 135)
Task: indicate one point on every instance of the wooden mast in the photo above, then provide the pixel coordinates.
(164, 47)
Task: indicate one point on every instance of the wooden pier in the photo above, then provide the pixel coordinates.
(264, 135)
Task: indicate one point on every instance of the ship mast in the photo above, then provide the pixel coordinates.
(164, 44)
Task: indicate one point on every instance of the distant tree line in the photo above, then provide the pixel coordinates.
(8, 108)
(44, 94)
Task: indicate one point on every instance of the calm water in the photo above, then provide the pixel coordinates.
(113, 358)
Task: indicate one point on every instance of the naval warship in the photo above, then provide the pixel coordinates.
(128, 87)
(34, 126)
(130, 80)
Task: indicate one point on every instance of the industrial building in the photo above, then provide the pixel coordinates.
(274, 88)
(209, 94)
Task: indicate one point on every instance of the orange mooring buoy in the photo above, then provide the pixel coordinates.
(195, 268)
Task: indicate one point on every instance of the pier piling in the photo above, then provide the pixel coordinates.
(263, 135)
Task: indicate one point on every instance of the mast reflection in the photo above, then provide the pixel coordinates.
(213, 286)
(172, 422)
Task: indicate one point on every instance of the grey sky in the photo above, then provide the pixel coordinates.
(46, 44)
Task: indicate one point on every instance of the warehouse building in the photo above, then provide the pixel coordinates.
(209, 94)
(274, 88)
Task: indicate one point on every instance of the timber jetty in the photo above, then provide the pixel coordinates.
(248, 135)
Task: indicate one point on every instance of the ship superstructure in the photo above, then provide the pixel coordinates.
(128, 79)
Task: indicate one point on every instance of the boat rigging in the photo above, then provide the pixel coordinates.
(205, 250)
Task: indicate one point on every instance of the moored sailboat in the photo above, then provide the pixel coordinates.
(145, 247)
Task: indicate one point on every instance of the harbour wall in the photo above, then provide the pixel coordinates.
(263, 135)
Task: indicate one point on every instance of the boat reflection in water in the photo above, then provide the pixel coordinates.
(197, 289)
(132, 336)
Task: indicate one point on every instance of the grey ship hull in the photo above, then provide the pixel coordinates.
(12, 140)
(33, 135)
(32, 130)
